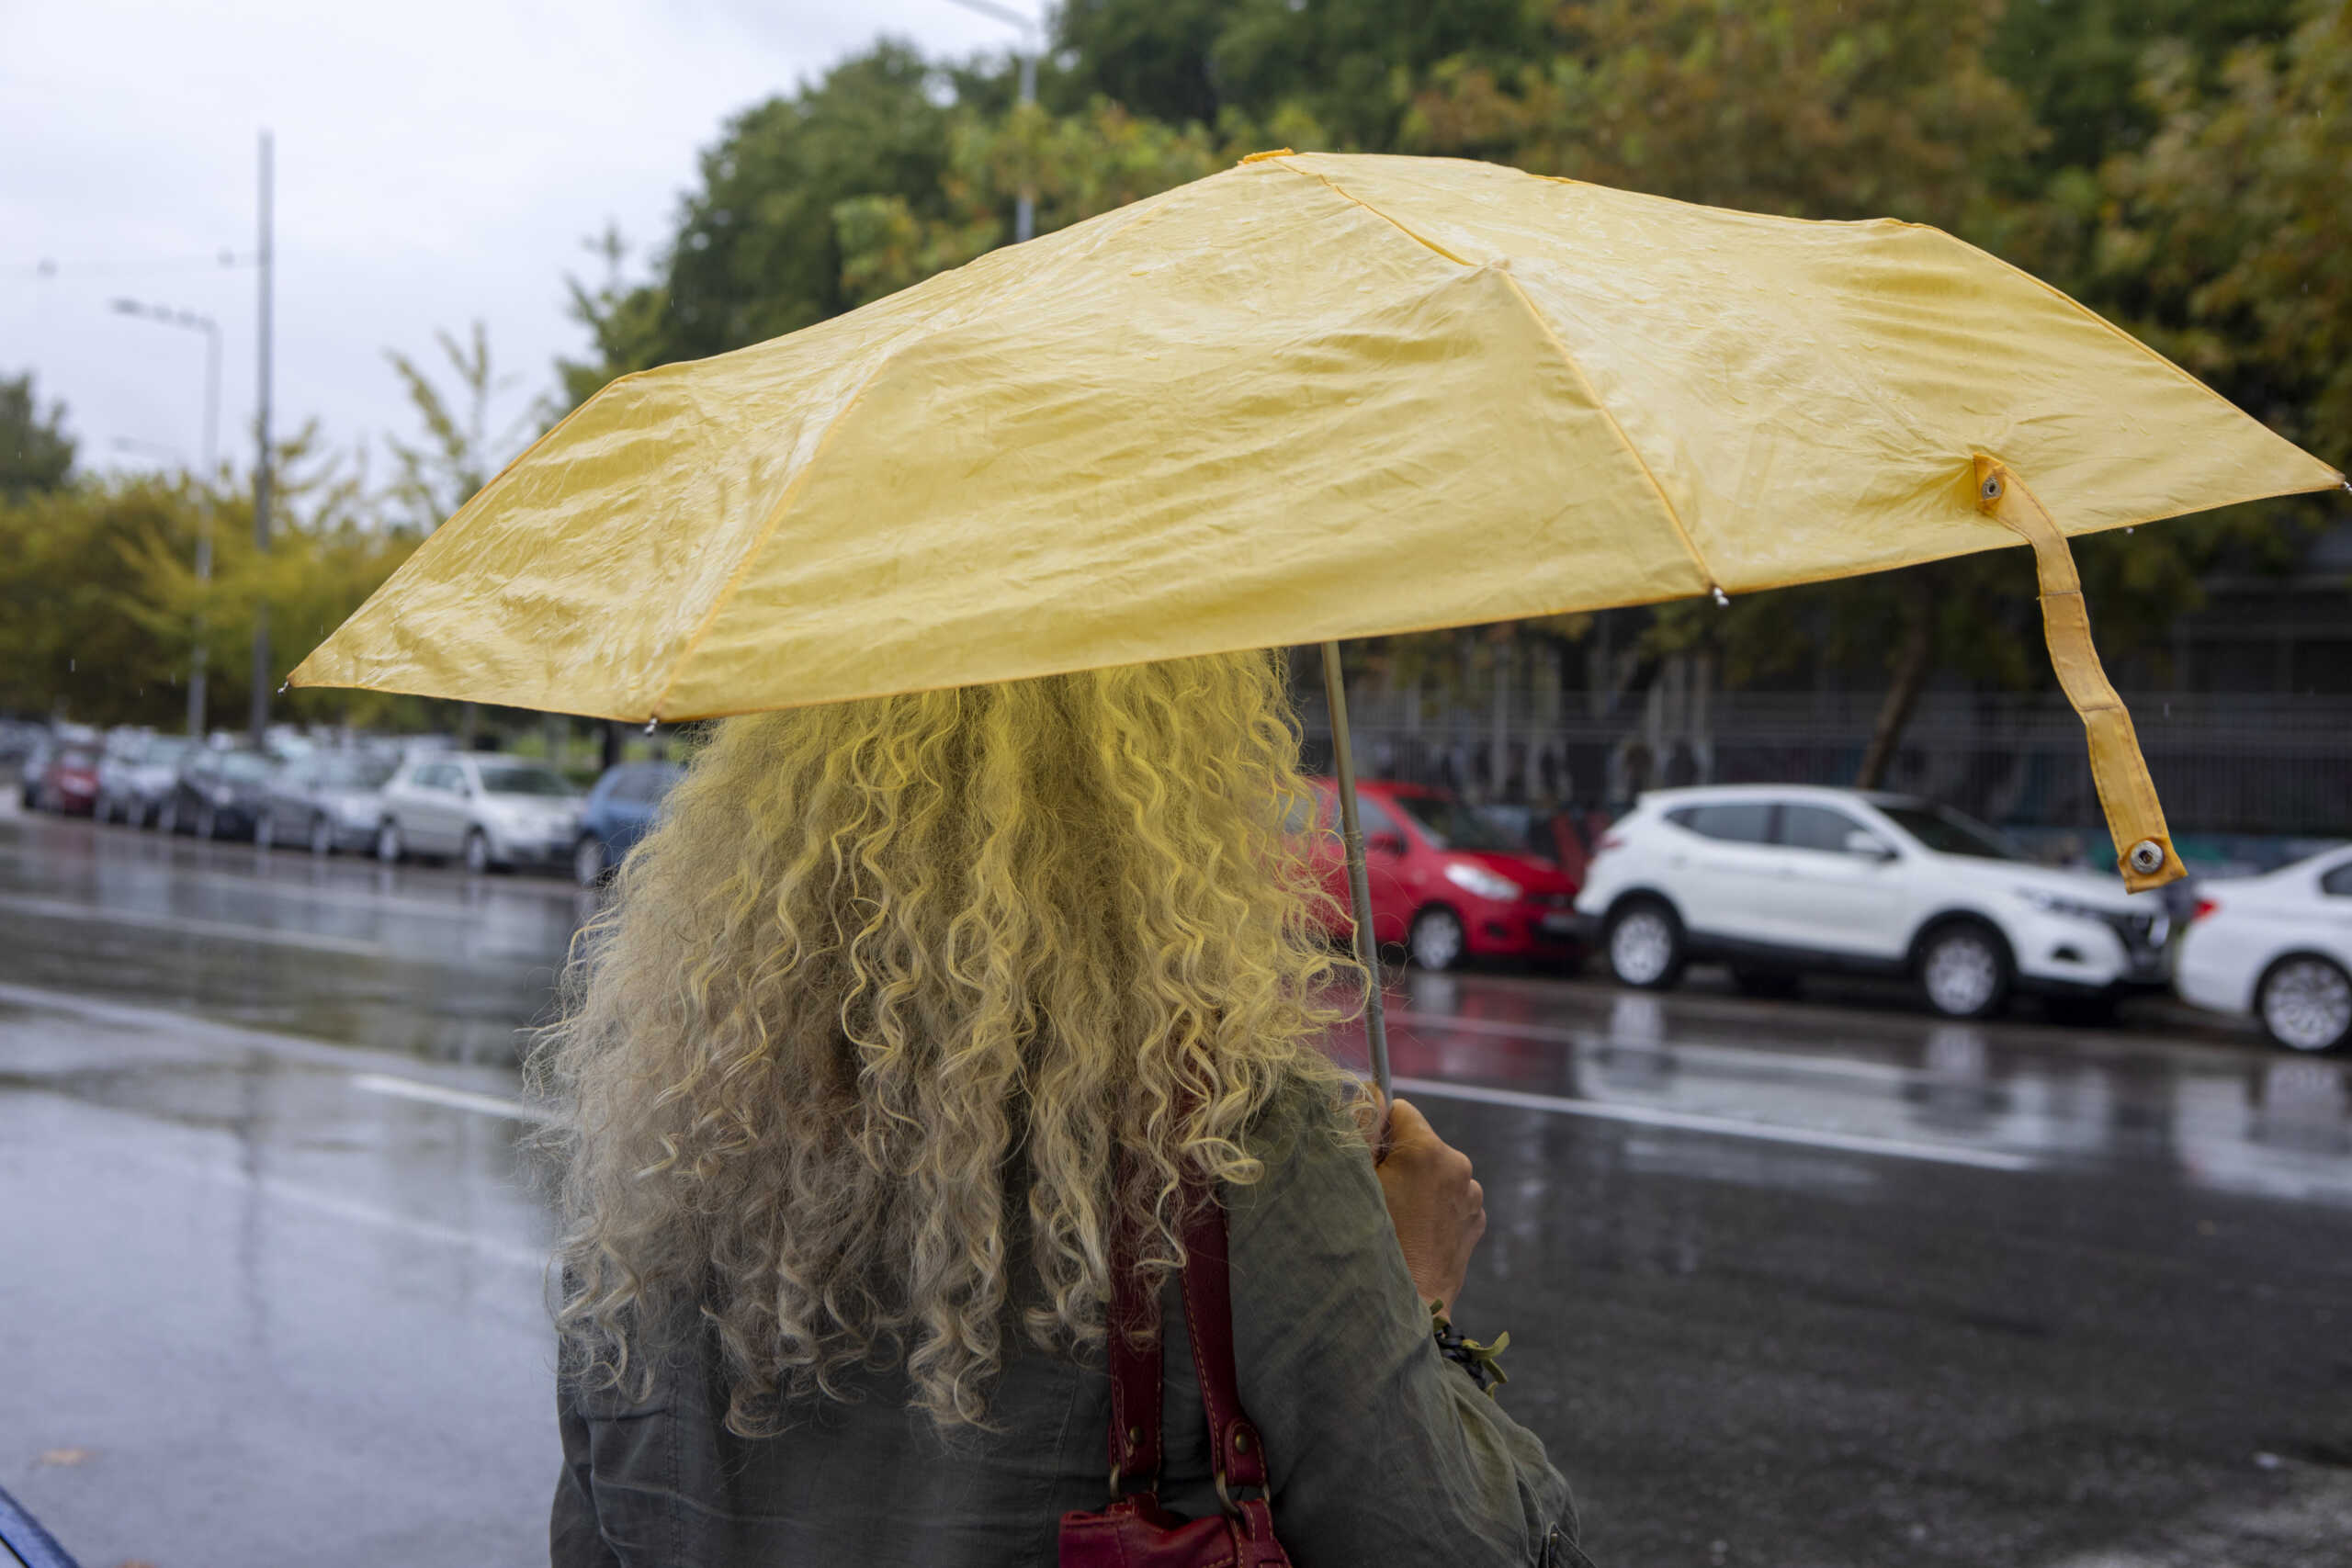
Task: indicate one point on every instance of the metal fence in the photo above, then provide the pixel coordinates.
(2224, 764)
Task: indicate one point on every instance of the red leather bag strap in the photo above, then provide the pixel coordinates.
(1135, 1372)
(1239, 1454)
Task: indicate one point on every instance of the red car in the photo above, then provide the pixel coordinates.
(68, 782)
(1446, 882)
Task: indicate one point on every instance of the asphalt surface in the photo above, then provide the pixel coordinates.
(1813, 1282)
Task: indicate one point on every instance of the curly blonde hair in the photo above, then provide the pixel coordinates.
(886, 966)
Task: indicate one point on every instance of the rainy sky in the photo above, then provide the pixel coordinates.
(438, 160)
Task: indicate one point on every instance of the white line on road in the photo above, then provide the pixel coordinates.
(57, 909)
(455, 1098)
(1742, 1058)
(1724, 1126)
(336, 1206)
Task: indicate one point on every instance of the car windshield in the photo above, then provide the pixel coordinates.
(166, 748)
(523, 781)
(1454, 826)
(1946, 831)
(244, 765)
(355, 773)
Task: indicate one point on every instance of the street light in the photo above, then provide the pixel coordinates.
(1024, 210)
(194, 322)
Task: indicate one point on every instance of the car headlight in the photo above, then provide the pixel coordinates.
(1486, 884)
(2065, 909)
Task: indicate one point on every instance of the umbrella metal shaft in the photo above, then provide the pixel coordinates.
(1343, 769)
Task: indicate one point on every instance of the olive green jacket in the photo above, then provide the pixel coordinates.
(1381, 1451)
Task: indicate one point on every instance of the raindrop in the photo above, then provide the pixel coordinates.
(70, 665)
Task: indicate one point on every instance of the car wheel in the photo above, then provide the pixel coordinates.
(1437, 941)
(264, 832)
(1645, 944)
(1753, 981)
(477, 853)
(208, 822)
(1964, 970)
(2305, 1003)
(322, 835)
(588, 861)
(389, 848)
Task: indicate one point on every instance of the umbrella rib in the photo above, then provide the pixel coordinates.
(767, 530)
(1690, 546)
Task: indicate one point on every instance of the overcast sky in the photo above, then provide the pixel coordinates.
(438, 161)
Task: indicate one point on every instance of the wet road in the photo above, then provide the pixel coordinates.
(1788, 1283)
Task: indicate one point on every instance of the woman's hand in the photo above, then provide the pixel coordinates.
(1440, 1212)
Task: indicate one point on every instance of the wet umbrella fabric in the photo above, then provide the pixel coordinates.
(1310, 398)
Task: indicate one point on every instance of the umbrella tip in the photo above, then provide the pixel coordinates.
(1722, 598)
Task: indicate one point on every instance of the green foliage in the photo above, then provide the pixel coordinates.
(1816, 109)
(35, 452)
(756, 253)
(1348, 65)
(462, 452)
(2224, 241)
(2077, 63)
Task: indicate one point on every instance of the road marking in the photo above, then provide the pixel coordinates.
(455, 1098)
(57, 909)
(336, 1206)
(1741, 1058)
(1724, 1126)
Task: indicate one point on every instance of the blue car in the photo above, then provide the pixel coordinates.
(619, 810)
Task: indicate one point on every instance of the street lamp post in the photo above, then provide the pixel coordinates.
(1024, 208)
(262, 464)
(192, 321)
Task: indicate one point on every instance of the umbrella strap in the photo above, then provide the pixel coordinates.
(2135, 818)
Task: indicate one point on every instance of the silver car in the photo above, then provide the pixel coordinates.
(493, 811)
(136, 775)
(326, 801)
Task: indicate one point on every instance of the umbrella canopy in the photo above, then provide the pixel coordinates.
(1310, 398)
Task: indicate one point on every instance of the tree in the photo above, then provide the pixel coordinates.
(462, 452)
(35, 452)
(1079, 164)
(755, 254)
(2223, 237)
(1351, 66)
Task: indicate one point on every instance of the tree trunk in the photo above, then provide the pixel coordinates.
(1912, 662)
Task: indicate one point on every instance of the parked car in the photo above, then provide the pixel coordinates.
(134, 777)
(66, 780)
(1447, 882)
(326, 801)
(2278, 946)
(495, 811)
(217, 794)
(1779, 881)
(618, 813)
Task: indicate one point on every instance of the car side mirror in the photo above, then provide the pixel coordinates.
(1386, 843)
(1868, 845)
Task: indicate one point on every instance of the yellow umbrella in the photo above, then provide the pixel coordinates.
(1310, 398)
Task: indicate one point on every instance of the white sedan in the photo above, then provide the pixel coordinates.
(2278, 947)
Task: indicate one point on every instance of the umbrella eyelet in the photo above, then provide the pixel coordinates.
(1992, 487)
(2147, 856)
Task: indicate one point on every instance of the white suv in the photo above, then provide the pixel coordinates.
(1777, 880)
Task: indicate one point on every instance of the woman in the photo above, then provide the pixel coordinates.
(906, 1008)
